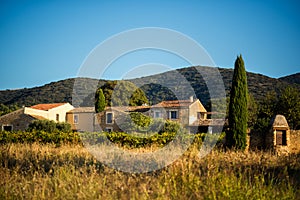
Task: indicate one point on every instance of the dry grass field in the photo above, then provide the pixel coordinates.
(46, 171)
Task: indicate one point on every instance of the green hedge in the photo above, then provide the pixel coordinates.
(120, 138)
(49, 126)
(39, 136)
(129, 140)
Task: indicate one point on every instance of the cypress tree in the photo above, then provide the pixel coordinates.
(99, 101)
(236, 137)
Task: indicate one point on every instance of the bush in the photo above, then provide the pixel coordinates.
(39, 136)
(49, 126)
(172, 127)
(140, 119)
(93, 138)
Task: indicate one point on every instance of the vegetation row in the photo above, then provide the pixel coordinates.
(94, 138)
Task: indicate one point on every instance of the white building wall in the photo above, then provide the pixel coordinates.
(51, 114)
(61, 111)
(32, 111)
(85, 122)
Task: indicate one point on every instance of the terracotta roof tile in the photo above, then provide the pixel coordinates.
(47, 106)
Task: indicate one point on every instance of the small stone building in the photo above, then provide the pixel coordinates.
(16, 120)
(278, 137)
(20, 119)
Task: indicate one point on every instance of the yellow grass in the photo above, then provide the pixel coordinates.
(69, 172)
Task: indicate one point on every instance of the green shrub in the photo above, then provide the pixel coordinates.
(140, 119)
(171, 127)
(49, 126)
(39, 136)
(95, 138)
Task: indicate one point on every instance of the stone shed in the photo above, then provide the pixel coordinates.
(278, 137)
(16, 120)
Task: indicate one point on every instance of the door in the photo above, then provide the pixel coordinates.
(280, 137)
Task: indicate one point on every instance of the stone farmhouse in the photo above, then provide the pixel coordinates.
(20, 119)
(81, 119)
(191, 114)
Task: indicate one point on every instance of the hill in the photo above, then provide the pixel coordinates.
(157, 87)
(258, 84)
(293, 79)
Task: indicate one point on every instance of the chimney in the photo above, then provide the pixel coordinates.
(191, 99)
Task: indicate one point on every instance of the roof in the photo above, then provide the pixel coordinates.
(173, 104)
(37, 117)
(129, 108)
(16, 112)
(19, 112)
(279, 121)
(83, 110)
(47, 106)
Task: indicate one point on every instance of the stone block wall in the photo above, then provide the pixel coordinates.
(256, 141)
(17, 119)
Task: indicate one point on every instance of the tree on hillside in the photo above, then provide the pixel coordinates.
(252, 111)
(265, 113)
(289, 105)
(123, 93)
(99, 101)
(236, 137)
(4, 109)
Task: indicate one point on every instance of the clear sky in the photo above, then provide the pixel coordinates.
(43, 41)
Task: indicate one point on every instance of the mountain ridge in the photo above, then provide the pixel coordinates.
(61, 91)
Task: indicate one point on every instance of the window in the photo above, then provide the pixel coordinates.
(109, 118)
(173, 114)
(280, 137)
(108, 129)
(157, 114)
(7, 128)
(200, 115)
(57, 117)
(75, 119)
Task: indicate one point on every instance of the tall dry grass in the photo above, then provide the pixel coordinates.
(35, 171)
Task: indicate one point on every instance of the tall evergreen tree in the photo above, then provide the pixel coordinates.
(99, 101)
(236, 137)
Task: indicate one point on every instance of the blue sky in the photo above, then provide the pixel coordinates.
(43, 41)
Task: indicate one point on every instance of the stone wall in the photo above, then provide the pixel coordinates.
(295, 141)
(100, 121)
(17, 119)
(256, 141)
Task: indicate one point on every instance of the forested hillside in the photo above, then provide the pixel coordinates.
(293, 79)
(157, 87)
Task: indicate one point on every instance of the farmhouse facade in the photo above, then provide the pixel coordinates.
(81, 119)
(20, 119)
(113, 118)
(191, 114)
